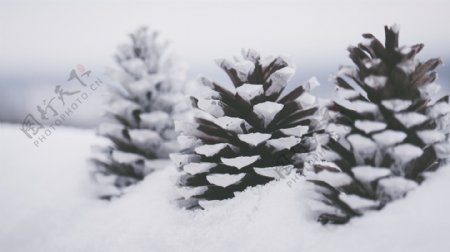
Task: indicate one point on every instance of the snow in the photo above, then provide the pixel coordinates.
(357, 202)
(361, 144)
(431, 136)
(404, 153)
(411, 119)
(297, 131)
(368, 174)
(47, 204)
(224, 180)
(254, 139)
(187, 192)
(145, 139)
(279, 80)
(428, 91)
(395, 187)
(364, 107)
(369, 126)
(311, 84)
(213, 107)
(182, 159)
(346, 94)
(125, 157)
(240, 162)
(375, 82)
(210, 150)
(389, 137)
(335, 179)
(156, 120)
(307, 99)
(194, 168)
(249, 91)
(396, 105)
(267, 110)
(188, 141)
(439, 109)
(283, 142)
(276, 172)
(233, 124)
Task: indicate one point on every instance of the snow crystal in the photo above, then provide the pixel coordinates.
(406, 152)
(431, 136)
(254, 138)
(395, 187)
(368, 174)
(210, 150)
(279, 80)
(213, 107)
(240, 162)
(375, 82)
(396, 105)
(357, 202)
(182, 159)
(369, 126)
(283, 143)
(195, 168)
(389, 137)
(233, 124)
(297, 131)
(267, 110)
(249, 91)
(276, 172)
(224, 180)
(411, 119)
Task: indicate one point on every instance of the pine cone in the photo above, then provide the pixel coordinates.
(248, 136)
(140, 113)
(390, 129)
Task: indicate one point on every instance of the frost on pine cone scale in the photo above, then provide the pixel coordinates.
(250, 135)
(392, 132)
(140, 113)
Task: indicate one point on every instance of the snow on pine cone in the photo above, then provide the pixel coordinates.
(391, 135)
(140, 113)
(248, 136)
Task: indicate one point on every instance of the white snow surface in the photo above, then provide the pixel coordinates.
(48, 204)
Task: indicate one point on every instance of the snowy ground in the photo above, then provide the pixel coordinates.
(47, 204)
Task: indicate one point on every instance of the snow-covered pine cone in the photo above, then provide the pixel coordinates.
(390, 131)
(140, 113)
(248, 136)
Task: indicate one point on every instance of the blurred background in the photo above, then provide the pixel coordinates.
(42, 41)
